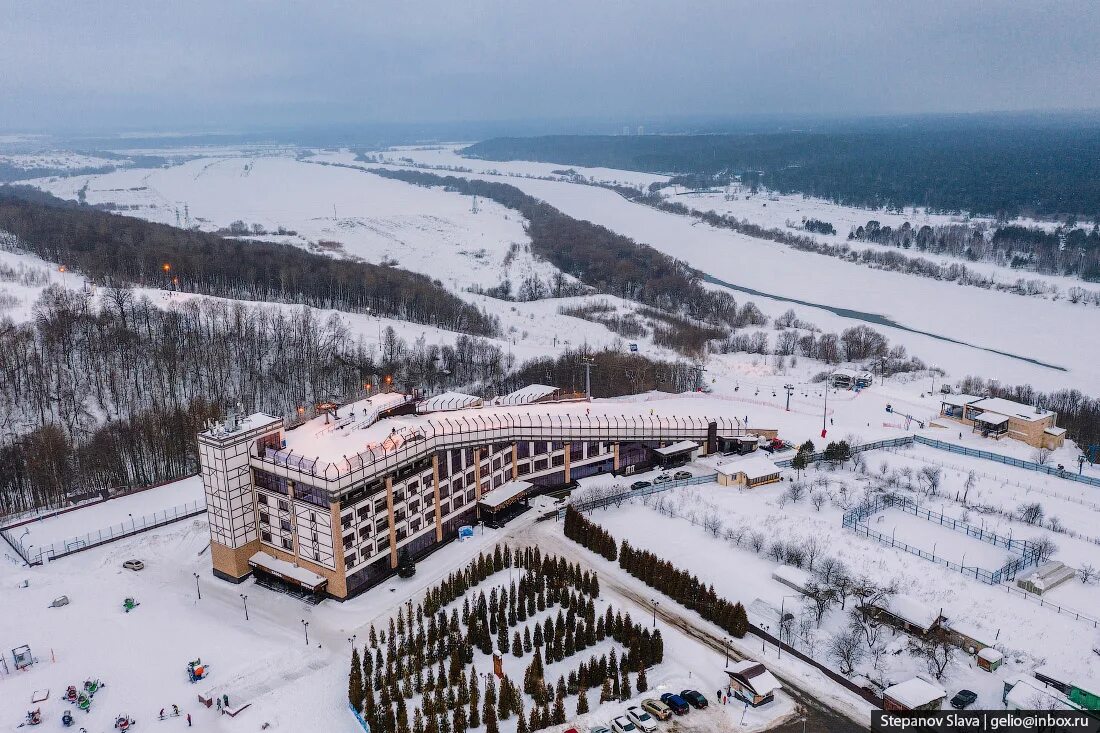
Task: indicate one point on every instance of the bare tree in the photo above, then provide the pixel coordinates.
(756, 541)
(971, 479)
(1087, 573)
(822, 597)
(846, 648)
(937, 654)
(818, 499)
(1042, 455)
(812, 548)
(1030, 513)
(712, 525)
(778, 550)
(1046, 547)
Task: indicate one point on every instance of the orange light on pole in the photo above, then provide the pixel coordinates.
(301, 410)
(61, 269)
(166, 267)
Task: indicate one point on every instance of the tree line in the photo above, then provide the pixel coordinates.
(595, 255)
(988, 165)
(119, 250)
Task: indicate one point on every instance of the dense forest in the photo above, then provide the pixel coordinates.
(977, 165)
(110, 391)
(1064, 250)
(595, 255)
(121, 250)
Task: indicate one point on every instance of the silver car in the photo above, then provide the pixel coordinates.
(642, 719)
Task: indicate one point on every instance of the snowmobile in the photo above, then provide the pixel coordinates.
(70, 693)
(66, 718)
(34, 717)
(196, 670)
(124, 722)
(129, 604)
(92, 687)
(84, 702)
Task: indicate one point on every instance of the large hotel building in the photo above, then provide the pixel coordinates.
(330, 507)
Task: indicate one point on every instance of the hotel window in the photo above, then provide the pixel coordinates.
(383, 544)
(414, 506)
(349, 560)
(264, 518)
(470, 495)
(284, 506)
(288, 543)
(401, 534)
(379, 505)
(523, 449)
(262, 498)
(364, 532)
(285, 524)
(265, 536)
(414, 525)
(382, 524)
(349, 541)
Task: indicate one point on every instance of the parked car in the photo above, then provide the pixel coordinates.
(640, 485)
(622, 724)
(599, 729)
(642, 719)
(677, 703)
(963, 698)
(134, 565)
(681, 475)
(694, 698)
(634, 348)
(656, 708)
(664, 478)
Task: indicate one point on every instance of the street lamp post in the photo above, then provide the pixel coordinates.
(244, 599)
(655, 603)
(726, 647)
(825, 410)
(133, 525)
(305, 629)
(198, 590)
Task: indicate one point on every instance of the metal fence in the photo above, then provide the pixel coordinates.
(621, 496)
(1007, 460)
(1028, 552)
(888, 443)
(36, 555)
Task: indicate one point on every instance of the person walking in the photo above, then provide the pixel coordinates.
(189, 720)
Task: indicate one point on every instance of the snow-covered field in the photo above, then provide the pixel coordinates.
(673, 524)
(436, 232)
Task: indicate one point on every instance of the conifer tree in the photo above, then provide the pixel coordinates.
(625, 692)
(355, 681)
(521, 725)
(517, 645)
(642, 682)
(459, 719)
(582, 701)
(606, 693)
(558, 714)
(491, 721)
(418, 721)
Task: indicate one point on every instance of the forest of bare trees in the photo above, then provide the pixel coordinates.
(120, 250)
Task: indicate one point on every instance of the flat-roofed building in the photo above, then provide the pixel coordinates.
(996, 417)
(328, 505)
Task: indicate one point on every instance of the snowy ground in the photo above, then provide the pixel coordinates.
(264, 660)
(671, 524)
(114, 514)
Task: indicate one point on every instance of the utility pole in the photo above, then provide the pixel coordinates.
(790, 391)
(825, 411)
(244, 599)
(588, 361)
(197, 588)
(305, 628)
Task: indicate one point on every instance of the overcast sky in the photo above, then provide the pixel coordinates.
(220, 64)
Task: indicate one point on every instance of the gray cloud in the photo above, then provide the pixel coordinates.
(213, 64)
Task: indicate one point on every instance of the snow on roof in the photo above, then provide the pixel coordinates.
(763, 682)
(911, 611)
(915, 692)
(1015, 409)
(448, 401)
(671, 450)
(990, 654)
(287, 570)
(991, 419)
(959, 400)
(526, 395)
(792, 576)
(1054, 430)
(851, 373)
(1028, 693)
(753, 467)
(500, 496)
(1049, 574)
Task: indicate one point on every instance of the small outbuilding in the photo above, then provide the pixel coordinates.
(677, 454)
(748, 472)
(794, 578)
(913, 694)
(751, 682)
(505, 502)
(738, 444)
(909, 615)
(1046, 576)
(990, 659)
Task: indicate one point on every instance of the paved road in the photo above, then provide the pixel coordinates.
(820, 716)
